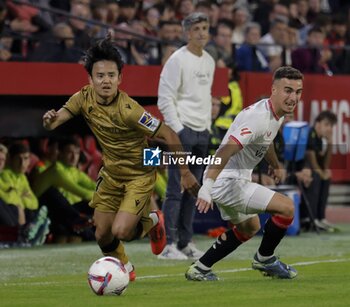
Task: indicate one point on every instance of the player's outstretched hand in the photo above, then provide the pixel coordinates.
(49, 117)
(204, 201)
(190, 183)
(203, 206)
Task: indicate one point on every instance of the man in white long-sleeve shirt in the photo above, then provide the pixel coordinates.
(184, 99)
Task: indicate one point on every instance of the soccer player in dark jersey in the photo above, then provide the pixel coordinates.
(121, 125)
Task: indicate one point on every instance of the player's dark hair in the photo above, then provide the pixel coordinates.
(102, 50)
(288, 73)
(326, 115)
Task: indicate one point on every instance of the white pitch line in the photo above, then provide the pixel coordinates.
(39, 283)
(247, 269)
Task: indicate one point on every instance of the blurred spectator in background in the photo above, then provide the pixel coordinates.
(99, 13)
(240, 18)
(318, 157)
(45, 15)
(268, 11)
(66, 190)
(113, 12)
(80, 28)
(220, 48)
(248, 56)
(313, 58)
(17, 191)
(337, 38)
(225, 10)
(151, 21)
(10, 214)
(186, 7)
(127, 10)
(215, 133)
(273, 42)
(298, 19)
(58, 46)
(232, 104)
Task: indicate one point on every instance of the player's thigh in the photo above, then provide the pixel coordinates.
(259, 197)
(281, 204)
(108, 195)
(137, 198)
(231, 196)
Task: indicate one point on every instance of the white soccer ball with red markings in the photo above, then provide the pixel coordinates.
(108, 276)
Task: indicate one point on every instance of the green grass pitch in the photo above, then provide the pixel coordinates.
(56, 276)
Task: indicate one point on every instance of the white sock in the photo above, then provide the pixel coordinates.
(128, 266)
(154, 218)
(263, 258)
(201, 266)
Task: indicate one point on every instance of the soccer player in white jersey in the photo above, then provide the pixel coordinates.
(246, 143)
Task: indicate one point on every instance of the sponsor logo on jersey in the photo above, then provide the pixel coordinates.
(148, 121)
(245, 131)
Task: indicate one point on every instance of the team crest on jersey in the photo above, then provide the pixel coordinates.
(148, 121)
(245, 131)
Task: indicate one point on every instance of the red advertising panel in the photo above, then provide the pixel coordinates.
(66, 79)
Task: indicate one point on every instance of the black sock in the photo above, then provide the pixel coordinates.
(271, 238)
(111, 247)
(220, 249)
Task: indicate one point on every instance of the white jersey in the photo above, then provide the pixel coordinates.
(184, 92)
(253, 129)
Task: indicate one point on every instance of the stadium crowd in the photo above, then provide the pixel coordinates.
(311, 35)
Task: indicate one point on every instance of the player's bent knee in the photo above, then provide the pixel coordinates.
(122, 233)
(288, 208)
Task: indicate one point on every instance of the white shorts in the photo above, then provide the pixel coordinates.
(239, 200)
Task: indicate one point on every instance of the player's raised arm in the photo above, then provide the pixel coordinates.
(52, 118)
(204, 201)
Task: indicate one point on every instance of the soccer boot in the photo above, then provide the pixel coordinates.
(157, 234)
(131, 269)
(274, 267)
(196, 274)
(132, 274)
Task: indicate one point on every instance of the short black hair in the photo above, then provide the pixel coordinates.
(67, 141)
(326, 115)
(315, 29)
(102, 50)
(287, 72)
(17, 148)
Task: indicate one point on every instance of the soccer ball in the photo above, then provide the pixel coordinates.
(108, 276)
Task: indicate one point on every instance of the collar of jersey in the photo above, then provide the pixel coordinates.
(113, 100)
(272, 110)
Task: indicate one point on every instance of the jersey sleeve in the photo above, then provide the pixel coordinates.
(74, 104)
(141, 120)
(244, 129)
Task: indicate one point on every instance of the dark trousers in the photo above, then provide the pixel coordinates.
(317, 195)
(8, 214)
(62, 214)
(179, 207)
